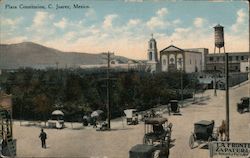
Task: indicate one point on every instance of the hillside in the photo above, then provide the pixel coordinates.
(28, 54)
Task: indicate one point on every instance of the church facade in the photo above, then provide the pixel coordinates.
(173, 58)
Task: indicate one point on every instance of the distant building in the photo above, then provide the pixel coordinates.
(244, 66)
(236, 61)
(192, 60)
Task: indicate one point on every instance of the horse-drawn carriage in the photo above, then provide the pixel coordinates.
(173, 106)
(156, 140)
(157, 130)
(203, 132)
(243, 105)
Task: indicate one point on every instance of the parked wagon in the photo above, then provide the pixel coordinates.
(156, 141)
(173, 106)
(203, 132)
(131, 116)
(157, 130)
(243, 105)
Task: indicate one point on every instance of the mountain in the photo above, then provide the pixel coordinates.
(29, 54)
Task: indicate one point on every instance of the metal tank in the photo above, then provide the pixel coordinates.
(219, 36)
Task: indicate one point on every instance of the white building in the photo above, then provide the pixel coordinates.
(173, 58)
(244, 66)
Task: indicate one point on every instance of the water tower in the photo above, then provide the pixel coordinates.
(219, 37)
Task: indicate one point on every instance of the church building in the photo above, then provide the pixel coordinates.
(173, 58)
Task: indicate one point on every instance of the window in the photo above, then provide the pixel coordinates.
(211, 58)
(151, 45)
(150, 56)
(242, 57)
(230, 58)
(237, 58)
(164, 62)
(247, 68)
(218, 58)
(223, 58)
(214, 67)
(190, 61)
(236, 67)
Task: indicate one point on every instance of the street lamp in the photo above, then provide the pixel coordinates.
(180, 63)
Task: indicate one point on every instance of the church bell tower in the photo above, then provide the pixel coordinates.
(152, 54)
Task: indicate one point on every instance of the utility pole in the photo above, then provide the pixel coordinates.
(108, 96)
(181, 70)
(227, 97)
(215, 85)
(181, 87)
(249, 50)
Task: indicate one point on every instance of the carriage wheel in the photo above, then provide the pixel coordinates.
(191, 141)
(146, 140)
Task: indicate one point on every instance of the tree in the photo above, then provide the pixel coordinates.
(42, 106)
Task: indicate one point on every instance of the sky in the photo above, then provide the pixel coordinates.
(124, 26)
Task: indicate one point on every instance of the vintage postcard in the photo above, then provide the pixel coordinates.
(124, 78)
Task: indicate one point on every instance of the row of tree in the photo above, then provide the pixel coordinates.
(36, 93)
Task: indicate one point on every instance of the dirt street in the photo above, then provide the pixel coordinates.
(86, 142)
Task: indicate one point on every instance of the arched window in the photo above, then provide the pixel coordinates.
(164, 61)
(151, 45)
(150, 56)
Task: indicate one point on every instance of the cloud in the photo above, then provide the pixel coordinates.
(11, 22)
(90, 13)
(241, 20)
(158, 21)
(17, 39)
(133, 22)
(61, 24)
(162, 12)
(42, 25)
(41, 18)
(177, 22)
(108, 20)
(70, 35)
(133, 0)
(199, 22)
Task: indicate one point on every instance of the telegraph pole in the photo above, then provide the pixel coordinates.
(108, 96)
(227, 97)
(181, 71)
(249, 49)
(181, 87)
(215, 92)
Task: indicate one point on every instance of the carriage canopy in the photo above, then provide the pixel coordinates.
(203, 129)
(156, 121)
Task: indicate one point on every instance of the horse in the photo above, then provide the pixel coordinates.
(222, 130)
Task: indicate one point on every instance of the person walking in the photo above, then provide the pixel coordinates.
(43, 137)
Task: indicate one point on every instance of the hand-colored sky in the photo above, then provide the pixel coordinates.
(124, 27)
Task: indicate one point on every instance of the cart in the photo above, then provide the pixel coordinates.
(173, 106)
(203, 132)
(131, 116)
(157, 130)
(243, 105)
(57, 120)
(156, 141)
